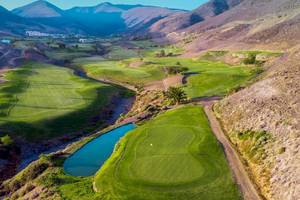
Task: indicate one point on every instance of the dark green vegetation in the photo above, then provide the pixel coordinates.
(174, 156)
(176, 95)
(252, 144)
(6, 140)
(42, 101)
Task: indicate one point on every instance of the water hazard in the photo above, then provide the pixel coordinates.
(89, 159)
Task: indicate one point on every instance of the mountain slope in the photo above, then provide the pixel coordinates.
(103, 19)
(13, 24)
(38, 9)
(108, 18)
(143, 17)
(184, 20)
(264, 24)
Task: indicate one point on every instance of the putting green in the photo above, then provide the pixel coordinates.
(42, 101)
(174, 156)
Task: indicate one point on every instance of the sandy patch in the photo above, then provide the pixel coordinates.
(165, 83)
(136, 64)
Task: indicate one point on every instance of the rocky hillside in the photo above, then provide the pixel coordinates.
(181, 21)
(272, 107)
(246, 24)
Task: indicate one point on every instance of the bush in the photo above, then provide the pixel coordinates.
(250, 60)
(127, 93)
(6, 140)
(175, 70)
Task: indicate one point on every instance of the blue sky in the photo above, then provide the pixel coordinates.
(64, 4)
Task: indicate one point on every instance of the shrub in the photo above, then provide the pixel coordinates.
(281, 150)
(6, 140)
(250, 60)
(162, 53)
(175, 70)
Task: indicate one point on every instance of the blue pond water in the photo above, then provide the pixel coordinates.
(88, 160)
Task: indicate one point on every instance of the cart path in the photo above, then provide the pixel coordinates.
(245, 184)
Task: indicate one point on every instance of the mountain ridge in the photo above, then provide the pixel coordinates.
(116, 18)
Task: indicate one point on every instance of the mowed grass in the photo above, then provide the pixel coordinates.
(210, 78)
(174, 156)
(43, 101)
(121, 72)
(213, 78)
(216, 78)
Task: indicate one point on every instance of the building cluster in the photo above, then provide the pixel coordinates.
(41, 34)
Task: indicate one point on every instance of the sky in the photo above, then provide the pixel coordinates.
(65, 4)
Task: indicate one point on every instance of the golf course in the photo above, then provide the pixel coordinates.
(41, 101)
(170, 154)
(173, 156)
(209, 77)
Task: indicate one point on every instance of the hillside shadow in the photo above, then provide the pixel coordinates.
(81, 121)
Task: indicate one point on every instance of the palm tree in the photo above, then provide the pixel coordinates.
(176, 95)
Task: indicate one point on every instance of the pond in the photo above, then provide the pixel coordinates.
(89, 159)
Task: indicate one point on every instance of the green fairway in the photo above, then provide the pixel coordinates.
(43, 101)
(121, 72)
(174, 156)
(216, 78)
(119, 53)
(213, 78)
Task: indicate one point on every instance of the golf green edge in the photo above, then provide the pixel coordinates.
(174, 156)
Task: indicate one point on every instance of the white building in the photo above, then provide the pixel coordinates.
(5, 41)
(41, 34)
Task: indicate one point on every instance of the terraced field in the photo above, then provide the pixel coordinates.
(43, 101)
(174, 156)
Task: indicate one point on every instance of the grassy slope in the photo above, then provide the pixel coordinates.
(216, 78)
(118, 71)
(174, 156)
(42, 101)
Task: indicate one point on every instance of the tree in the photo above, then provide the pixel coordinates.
(176, 95)
(162, 53)
(250, 60)
(61, 45)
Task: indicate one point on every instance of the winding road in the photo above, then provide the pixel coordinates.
(242, 178)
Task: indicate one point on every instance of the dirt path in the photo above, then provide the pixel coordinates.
(245, 184)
